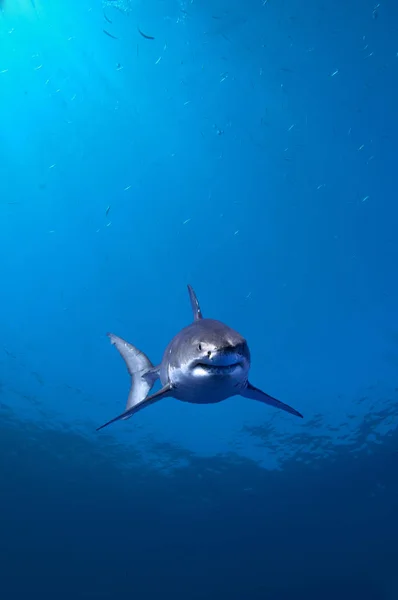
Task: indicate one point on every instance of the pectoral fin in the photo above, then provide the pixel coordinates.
(163, 393)
(255, 394)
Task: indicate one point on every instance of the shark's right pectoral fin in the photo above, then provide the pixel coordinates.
(249, 391)
(165, 392)
(143, 373)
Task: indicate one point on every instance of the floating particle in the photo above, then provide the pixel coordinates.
(186, 221)
(334, 73)
(127, 188)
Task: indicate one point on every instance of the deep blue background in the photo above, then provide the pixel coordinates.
(250, 150)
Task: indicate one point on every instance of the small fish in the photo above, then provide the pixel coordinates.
(107, 210)
(8, 352)
(110, 35)
(38, 377)
(106, 19)
(144, 35)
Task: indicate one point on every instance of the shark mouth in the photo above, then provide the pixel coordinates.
(215, 369)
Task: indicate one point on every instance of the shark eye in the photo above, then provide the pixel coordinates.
(200, 347)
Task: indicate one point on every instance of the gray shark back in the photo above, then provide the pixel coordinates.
(186, 344)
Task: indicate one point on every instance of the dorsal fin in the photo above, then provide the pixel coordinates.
(197, 313)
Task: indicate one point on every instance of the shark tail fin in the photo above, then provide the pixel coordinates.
(142, 372)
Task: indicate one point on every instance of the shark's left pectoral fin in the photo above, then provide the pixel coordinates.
(165, 392)
(255, 394)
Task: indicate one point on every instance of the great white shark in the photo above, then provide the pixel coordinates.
(206, 362)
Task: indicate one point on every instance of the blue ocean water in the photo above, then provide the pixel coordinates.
(249, 149)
